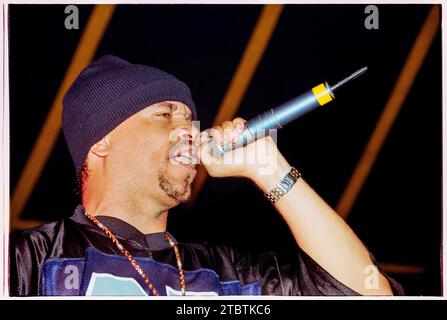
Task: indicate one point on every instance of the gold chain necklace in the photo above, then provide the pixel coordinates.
(135, 265)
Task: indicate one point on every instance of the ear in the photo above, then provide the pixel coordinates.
(102, 147)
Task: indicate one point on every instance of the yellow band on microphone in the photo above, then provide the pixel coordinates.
(322, 94)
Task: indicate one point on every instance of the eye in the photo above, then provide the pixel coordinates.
(167, 115)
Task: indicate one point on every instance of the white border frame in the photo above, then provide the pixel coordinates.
(4, 148)
(4, 153)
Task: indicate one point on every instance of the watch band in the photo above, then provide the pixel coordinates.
(283, 186)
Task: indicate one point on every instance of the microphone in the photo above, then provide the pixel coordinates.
(279, 117)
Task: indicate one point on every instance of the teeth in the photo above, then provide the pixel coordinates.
(185, 158)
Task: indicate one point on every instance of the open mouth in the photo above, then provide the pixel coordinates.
(184, 156)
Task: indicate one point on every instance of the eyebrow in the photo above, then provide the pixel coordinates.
(174, 107)
(168, 104)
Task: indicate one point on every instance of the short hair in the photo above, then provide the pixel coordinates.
(82, 177)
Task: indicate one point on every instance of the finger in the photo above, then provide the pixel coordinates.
(230, 132)
(218, 134)
(227, 125)
(239, 124)
(204, 153)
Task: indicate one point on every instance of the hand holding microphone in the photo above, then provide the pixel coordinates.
(230, 165)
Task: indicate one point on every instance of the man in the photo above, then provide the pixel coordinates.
(130, 133)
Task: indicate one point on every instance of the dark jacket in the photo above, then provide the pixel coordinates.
(74, 257)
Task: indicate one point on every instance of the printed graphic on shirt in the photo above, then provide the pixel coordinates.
(172, 292)
(102, 274)
(109, 285)
(105, 284)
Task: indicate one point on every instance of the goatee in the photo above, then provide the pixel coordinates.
(179, 192)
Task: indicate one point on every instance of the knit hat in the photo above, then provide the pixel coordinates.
(109, 91)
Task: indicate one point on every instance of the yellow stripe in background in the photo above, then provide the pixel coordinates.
(248, 64)
(85, 51)
(391, 110)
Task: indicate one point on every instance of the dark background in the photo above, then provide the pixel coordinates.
(397, 213)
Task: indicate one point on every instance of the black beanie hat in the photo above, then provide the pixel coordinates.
(106, 93)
